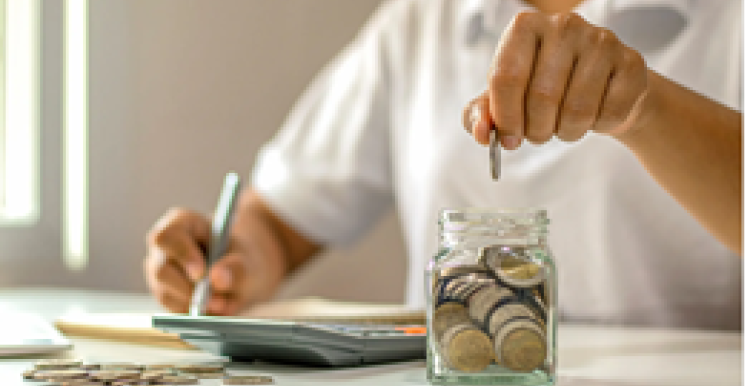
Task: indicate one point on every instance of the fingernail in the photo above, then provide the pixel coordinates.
(195, 270)
(510, 141)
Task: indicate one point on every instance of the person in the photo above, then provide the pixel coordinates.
(621, 118)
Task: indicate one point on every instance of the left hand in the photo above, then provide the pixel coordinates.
(558, 75)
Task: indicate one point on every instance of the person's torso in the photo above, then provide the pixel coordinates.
(626, 251)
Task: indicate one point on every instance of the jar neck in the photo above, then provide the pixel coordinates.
(469, 228)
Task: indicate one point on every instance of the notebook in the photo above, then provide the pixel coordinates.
(22, 334)
(138, 328)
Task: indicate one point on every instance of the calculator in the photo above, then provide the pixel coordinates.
(297, 342)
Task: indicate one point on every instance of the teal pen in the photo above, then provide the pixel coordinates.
(220, 231)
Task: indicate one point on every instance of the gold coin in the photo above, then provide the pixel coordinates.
(448, 315)
(521, 346)
(28, 374)
(512, 266)
(519, 269)
(156, 374)
(195, 368)
(459, 270)
(466, 348)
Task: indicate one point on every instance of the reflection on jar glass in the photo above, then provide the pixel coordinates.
(492, 300)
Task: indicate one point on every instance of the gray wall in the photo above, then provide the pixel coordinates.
(181, 92)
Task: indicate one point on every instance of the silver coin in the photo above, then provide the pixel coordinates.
(246, 380)
(494, 156)
(179, 380)
(484, 300)
(57, 364)
(120, 366)
(60, 375)
(217, 375)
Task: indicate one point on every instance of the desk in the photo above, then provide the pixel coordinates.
(631, 356)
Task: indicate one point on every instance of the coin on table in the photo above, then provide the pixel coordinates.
(494, 156)
(128, 382)
(114, 375)
(57, 364)
(61, 375)
(90, 366)
(247, 380)
(120, 366)
(80, 382)
(179, 380)
(159, 366)
(151, 375)
(198, 368)
(216, 375)
(28, 374)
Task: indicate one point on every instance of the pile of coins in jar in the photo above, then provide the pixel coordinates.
(494, 310)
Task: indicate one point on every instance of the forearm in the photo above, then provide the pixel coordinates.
(296, 248)
(692, 147)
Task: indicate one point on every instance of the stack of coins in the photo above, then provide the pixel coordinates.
(495, 310)
(65, 372)
(462, 345)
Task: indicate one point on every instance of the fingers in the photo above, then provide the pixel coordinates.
(231, 284)
(558, 75)
(175, 260)
(550, 76)
(173, 304)
(168, 283)
(477, 119)
(510, 75)
(586, 89)
(178, 236)
(626, 89)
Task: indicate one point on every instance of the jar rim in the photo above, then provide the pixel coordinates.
(475, 214)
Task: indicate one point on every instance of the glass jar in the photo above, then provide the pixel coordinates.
(491, 300)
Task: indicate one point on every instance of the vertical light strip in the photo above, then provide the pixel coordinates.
(75, 176)
(20, 131)
(3, 58)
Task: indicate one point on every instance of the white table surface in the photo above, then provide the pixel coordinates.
(614, 355)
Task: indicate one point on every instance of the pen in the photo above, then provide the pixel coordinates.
(220, 231)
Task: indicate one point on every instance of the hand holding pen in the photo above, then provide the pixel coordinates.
(250, 269)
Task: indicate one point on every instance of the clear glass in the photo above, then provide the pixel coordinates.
(492, 300)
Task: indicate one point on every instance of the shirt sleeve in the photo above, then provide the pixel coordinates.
(327, 172)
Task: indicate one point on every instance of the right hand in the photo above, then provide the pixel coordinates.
(249, 272)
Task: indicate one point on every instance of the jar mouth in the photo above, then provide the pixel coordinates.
(531, 215)
(480, 226)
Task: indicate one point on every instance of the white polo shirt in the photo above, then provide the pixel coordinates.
(381, 126)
